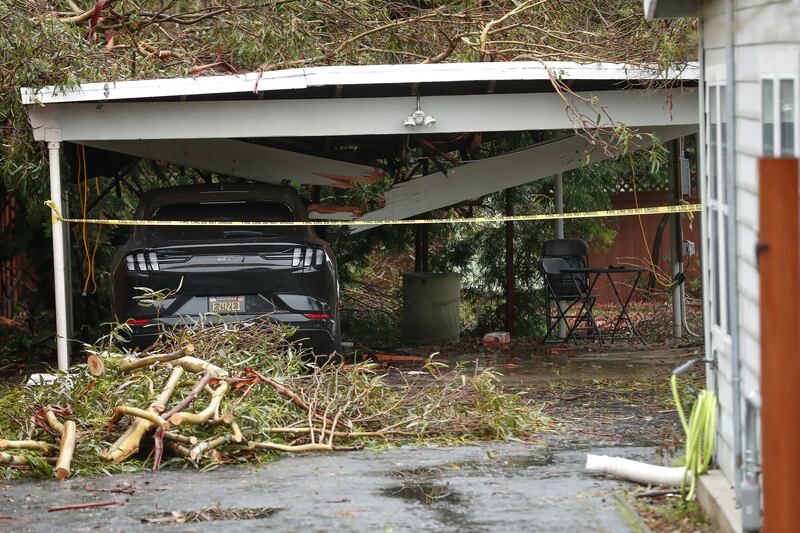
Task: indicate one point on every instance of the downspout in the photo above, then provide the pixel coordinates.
(732, 248)
(712, 363)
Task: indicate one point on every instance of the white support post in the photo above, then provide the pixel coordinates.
(673, 172)
(558, 193)
(59, 257)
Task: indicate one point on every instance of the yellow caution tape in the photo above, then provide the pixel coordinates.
(680, 208)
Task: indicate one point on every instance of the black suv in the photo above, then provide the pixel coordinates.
(228, 273)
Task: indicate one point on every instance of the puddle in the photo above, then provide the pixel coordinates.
(516, 465)
(209, 515)
(534, 365)
(448, 507)
(424, 492)
(423, 472)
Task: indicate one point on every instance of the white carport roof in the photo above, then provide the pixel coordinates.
(219, 123)
(341, 76)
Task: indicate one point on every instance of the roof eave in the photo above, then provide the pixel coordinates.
(299, 79)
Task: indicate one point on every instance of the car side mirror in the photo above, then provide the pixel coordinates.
(119, 235)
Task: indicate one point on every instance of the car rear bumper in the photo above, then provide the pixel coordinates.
(316, 334)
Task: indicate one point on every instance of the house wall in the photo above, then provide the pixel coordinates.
(767, 43)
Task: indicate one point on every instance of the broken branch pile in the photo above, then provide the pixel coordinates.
(210, 395)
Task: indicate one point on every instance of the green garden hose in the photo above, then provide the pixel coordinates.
(700, 430)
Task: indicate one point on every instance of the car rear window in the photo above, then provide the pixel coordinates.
(230, 211)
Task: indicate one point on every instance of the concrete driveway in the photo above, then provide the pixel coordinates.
(495, 487)
(609, 402)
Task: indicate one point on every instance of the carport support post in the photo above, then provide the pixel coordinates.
(511, 295)
(673, 173)
(558, 197)
(59, 256)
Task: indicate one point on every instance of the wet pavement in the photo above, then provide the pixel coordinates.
(493, 487)
(607, 403)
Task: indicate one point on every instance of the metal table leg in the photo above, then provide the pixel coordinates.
(623, 315)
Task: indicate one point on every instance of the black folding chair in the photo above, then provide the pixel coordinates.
(567, 295)
(574, 251)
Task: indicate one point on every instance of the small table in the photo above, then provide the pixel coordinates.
(596, 273)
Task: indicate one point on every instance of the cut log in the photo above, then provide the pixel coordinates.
(132, 363)
(237, 436)
(198, 366)
(150, 416)
(67, 449)
(27, 445)
(95, 365)
(197, 452)
(177, 449)
(181, 439)
(52, 421)
(12, 460)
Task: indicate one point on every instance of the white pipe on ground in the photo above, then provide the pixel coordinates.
(643, 473)
(59, 262)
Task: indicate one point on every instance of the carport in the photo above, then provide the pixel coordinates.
(329, 126)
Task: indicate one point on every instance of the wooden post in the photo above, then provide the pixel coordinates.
(779, 269)
(510, 276)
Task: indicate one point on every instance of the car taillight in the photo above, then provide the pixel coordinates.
(142, 262)
(308, 257)
(137, 321)
(318, 316)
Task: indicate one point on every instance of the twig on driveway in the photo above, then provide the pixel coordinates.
(85, 506)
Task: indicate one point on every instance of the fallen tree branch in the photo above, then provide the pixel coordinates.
(178, 449)
(52, 421)
(85, 506)
(12, 460)
(283, 391)
(302, 447)
(237, 436)
(27, 445)
(198, 366)
(66, 450)
(150, 416)
(181, 439)
(197, 451)
(380, 433)
(204, 415)
(132, 363)
(128, 443)
(158, 438)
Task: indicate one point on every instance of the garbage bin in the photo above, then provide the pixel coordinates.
(431, 307)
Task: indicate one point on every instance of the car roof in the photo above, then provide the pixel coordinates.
(220, 192)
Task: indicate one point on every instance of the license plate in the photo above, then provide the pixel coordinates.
(226, 304)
